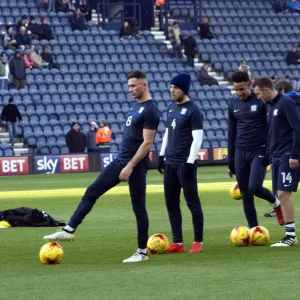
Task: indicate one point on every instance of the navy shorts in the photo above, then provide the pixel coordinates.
(283, 177)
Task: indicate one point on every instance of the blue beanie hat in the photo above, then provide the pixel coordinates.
(182, 81)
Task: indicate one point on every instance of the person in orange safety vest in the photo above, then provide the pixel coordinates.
(103, 134)
(160, 2)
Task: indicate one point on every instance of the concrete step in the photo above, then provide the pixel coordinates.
(156, 28)
(4, 134)
(20, 151)
(213, 74)
(219, 78)
(223, 82)
(4, 140)
(18, 145)
(198, 65)
(160, 37)
(158, 33)
(231, 87)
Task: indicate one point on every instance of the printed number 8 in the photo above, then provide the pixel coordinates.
(128, 122)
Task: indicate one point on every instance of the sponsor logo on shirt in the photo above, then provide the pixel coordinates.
(183, 111)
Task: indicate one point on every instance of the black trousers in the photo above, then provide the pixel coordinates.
(173, 182)
(250, 175)
(109, 178)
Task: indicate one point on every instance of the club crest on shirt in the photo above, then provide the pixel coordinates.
(275, 112)
(253, 107)
(141, 110)
(183, 111)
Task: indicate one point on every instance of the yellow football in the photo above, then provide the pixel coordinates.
(4, 224)
(158, 244)
(259, 236)
(235, 192)
(51, 253)
(239, 236)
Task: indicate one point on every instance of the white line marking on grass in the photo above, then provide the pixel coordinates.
(118, 190)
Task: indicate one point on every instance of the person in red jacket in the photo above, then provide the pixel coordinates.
(27, 60)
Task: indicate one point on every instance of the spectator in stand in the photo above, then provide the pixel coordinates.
(18, 71)
(160, 7)
(47, 57)
(274, 77)
(10, 38)
(175, 39)
(294, 6)
(103, 137)
(245, 68)
(62, 6)
(134, 28)
(34, 29)
(75, 139)
(125, 30)
(190, 49)
(78, 21)
(4, 72)
(23, 39)
(204, 31)
(29, 64)
(91, 138)
(46, 31)
(85, 8)
(279, 5)
(37, 58)
(22, 22)
(293, 57)
(50, 4)
(205, 78)
(9, 117)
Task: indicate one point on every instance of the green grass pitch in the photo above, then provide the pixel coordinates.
(92, 267)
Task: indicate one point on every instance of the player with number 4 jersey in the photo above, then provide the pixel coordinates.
(181, 144)
(284, 140)
(130, 165)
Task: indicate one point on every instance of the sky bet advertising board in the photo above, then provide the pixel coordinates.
(52, 164)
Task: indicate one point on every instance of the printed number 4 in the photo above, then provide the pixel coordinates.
(128, 122)
(173, 124)
(286, 177)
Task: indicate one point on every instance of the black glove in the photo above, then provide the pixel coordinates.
(188, 170)
(231, 169)
(161, 164)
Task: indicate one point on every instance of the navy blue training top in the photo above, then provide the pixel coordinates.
(247, 125)
(141, 116)
(182, 120)
(284, 134)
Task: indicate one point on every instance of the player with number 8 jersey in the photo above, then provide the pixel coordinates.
(181, 144)
(130, 165)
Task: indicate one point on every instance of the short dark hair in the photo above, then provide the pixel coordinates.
(175, 23)
(264, 82)
(104, 122)
(240, 76)
(283, 84)
(11, 99)
(137, 75)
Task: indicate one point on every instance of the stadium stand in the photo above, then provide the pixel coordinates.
(91, 85)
